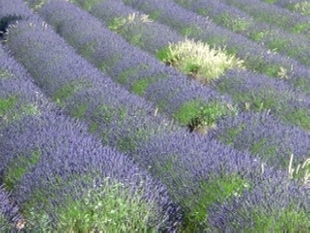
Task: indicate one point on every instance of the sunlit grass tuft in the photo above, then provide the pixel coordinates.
(198, 59)
(236, 24)
(301, 7)
(117, 23)
(301, 172)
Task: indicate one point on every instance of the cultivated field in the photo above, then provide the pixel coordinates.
(154, 116)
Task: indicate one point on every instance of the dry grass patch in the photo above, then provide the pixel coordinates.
(198, 59)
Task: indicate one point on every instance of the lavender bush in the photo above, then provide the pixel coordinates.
(112, 113)
(273, 38)
(131, 67)
(257, 92)
(171, 179)
(256, 57)
(262, 134)
(48, 159)
(56, 163)
(277, 205)
(275, 15)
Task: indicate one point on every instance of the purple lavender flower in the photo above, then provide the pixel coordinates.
(258, 92)
(79, 88)
(49, 157)
(256, 57)
(275, 205)
(273, 14)
(271, 37)
(192, 166)
(262, 134)
(10, 217)
(153, 36)
(133, 68)
(43, 154)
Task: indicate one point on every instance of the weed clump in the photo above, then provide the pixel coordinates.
(198, 60)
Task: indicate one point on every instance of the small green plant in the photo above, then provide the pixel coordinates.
(117, 23)
(259, 35)
(207, 117)
(79, 110)
(6, 104)
(301, 172)
(4, 74)
(301, 7)
(298, 117)
(126, 74)
(234, 23)
(140, 86)
(190, 31)
(199, 116)
(300, 28)
(38, 4)
(5, 225)
(231, 133)
(188, 111)
(198, 60)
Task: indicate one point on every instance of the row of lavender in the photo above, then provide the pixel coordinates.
(176, 157)
(256, 57)
(257, 91)
(283, 97)
(49, 160)
(281, 17)
(266, 34)
(135, 69)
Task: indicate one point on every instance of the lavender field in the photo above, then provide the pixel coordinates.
(154, 116)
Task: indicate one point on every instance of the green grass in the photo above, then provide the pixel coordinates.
(300, 28)
(5, 74)
(271, 1)
(234, 23)
(6, 104)
(201, 116)
(9, 112)
(140, 86)
(301, 172)
(190, 31)
(301, 7)
(198, 59)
